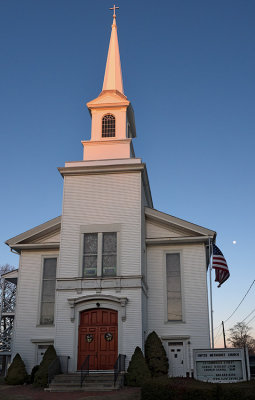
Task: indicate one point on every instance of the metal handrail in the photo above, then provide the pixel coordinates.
(58, 366)
(119, 366)
(85, 369)
(54, 369)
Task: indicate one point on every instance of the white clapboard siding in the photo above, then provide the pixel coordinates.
(50, 239)
(27, 307)
(101, 199)
(194, 291)
(154, 230)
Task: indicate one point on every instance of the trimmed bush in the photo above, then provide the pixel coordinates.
(33, 372)
(155, 355)
(41, 376)
(16, 374)
(138, 371)
(189, 389)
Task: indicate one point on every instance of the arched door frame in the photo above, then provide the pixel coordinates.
(84, 303)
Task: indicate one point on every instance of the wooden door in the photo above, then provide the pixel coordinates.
(98, 337)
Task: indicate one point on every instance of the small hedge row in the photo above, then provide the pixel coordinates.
(189, 389)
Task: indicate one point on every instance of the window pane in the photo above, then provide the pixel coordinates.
(174, 300)
(49, 270)
(47, 313)
(90, 265)
(90, 243)
(109, 265)
(48, 291)
(110, 242)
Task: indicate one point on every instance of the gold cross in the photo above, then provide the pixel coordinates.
(114, 8)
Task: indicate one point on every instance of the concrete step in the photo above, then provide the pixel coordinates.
(95, 382)
(78, 389)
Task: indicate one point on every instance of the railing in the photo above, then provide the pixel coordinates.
(54, 369)
(5, 340)
(84, 369)
(58, 366)
(119, 366)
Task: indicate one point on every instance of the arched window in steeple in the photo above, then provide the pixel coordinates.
(108, 125)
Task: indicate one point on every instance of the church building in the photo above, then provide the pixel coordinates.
(111, 269)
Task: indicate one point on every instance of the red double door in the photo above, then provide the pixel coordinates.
(98, 337)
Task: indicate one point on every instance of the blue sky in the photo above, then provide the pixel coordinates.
(188, 68)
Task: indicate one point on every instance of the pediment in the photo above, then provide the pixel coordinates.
(46, 235)
(164, 226)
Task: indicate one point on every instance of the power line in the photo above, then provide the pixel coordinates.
(250, 320)
(248, 315)
(231, 315)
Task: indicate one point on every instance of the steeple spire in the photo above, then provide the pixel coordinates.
(113, 74)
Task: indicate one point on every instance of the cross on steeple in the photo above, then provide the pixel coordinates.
(114, 8)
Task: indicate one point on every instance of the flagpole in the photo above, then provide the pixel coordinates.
(211, 304)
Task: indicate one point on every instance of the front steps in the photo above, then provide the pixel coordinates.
(94, 382)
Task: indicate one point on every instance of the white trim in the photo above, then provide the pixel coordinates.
(177, 222)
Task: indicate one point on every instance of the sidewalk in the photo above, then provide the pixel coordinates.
(8, 392)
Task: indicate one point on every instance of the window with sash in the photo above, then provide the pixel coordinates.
(48, 291)
(174, 295)
(108, 126)
(99, 254)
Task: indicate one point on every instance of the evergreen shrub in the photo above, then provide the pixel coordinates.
(138, 371)
(16, 374)
(189, 389)
(155, 355)
(41, 376)
(33, 372)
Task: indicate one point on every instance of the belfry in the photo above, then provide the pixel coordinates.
(113, 122)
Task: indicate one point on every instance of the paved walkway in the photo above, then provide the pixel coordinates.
(8, 392)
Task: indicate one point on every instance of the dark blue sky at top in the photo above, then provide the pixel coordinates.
(188, 68)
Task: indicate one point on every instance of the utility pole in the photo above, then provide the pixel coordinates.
(224, 336)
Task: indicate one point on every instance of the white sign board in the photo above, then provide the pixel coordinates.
(221, 365)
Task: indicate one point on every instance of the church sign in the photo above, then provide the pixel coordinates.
(221, 365)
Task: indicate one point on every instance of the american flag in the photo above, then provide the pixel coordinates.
(220, 265)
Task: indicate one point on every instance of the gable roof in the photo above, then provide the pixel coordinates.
(29, 239)
(178, 229)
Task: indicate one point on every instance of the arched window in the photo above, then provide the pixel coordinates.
(108, 126)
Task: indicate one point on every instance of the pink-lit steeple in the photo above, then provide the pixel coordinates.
(113, 74)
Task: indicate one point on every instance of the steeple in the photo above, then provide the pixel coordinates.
(113, 121)
(113, 74)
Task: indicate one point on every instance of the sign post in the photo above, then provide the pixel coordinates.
(221, 365)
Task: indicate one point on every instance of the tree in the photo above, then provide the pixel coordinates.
(9, 290)
(41, 376)
(155, 355)
(138, 371)
(7, 302)
(240, 337)
(17, 374)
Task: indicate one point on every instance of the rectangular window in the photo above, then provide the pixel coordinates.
(90, 249)
(174, 298)
(109, 254)
(99, 254)
(48, 291)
